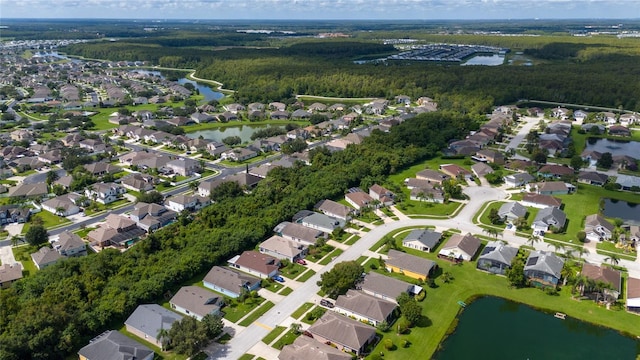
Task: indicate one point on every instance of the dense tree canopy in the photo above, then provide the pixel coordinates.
(341, 278)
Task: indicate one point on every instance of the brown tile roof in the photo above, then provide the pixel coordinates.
(604, 274)
(307, 348)
(542, 199)
(633, 288)
(197, 300)
(342, 330)
(467, 243)
(261, 263)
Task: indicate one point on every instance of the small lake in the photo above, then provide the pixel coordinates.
(208, 93)
(615, 147)
(629, 212)
(488, 60)
(493, 328)
(243, 131)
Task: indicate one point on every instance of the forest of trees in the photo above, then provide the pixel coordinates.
(585, 73)
(52, 313)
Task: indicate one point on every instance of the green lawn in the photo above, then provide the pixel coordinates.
(308, 319)
(440, 308)
(273, 334)
(292, 270)
(335, 253)
(235, 311)
(272, 286)
(286, 339)
(352, 240)
(611, 247)
(257, 313)
(23, 255)
(301, 310)
(286, 291)
(246, 357)
(160, 355)
(306, 275)
(421, 208)
(316, 254)
(49, 220)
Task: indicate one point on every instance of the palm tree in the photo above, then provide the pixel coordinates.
(581, 252)
(163, 337)
(532, 239)
(491, 232)
(15, 239)
(193, 186)
(295, 327)
(613, 259)
(557, 246)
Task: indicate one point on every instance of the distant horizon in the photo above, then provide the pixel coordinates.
(323, 10)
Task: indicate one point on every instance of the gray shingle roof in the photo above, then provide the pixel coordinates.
(342, 330)
(384, 285)
(113, 345)
(229, 279)
(497, 251)
(409, 262)
(513, 208)
(426, 237)
(150, 318)
(197, 300)
(365, 305)
(546, 262)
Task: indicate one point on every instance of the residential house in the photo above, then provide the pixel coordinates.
(298, 232)
(282, 248)
(113, 345)
(460, 247)
(101, 168)
(409, 265)
(633, 295)
(105, 193)
(481, 169)
(238, 154)
(345, 334)
(307, 348)
(257, 264)
(618, 130)
(358, 199)
(139, 182)
(117, 231)
(540, 201)
(69, 245)
(550, 217)
(365, 308)
(230, 282)
(598, 228)
(550, 188)
(491, 156)
(321, 222)
(10, 214)
(628, 182)
(10, 273)
(151, 217)
(234, 108)
(384, 196)
(386, 288)
(496, 257)
(592, 178)
(31, 191)
(244, 180)
(428, 194)
(147, 320)
(628, 119)
(555, 171)
(580, 115)
(511, 211)
(199, 117)
(44, 257)
(432, 176)
(588, 128)
(300, 114)
(519, 165)
(456, 171)
(21, 135)
(606, 275)
(181, 202)
(63, 205)
(422, 239)
(591, 156)
(279, 115)
(196, 302)
(334, 210)
(184, 166)
(543, 268)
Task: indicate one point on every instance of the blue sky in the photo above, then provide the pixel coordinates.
(321, 9)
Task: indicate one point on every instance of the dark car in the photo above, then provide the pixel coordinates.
(327, 303)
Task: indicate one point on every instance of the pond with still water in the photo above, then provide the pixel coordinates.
(627, 211)
(243, 131)
(615, 147)
(494, 328)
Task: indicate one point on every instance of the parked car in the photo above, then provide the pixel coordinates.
(301, 262)
(327, 303)
(278, 278)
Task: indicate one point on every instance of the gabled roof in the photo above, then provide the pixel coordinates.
(467, 243)
(604, 274)
(44, 256)
(10, 272)
(332, 207)
(497, 251)
(342, 330)
(551, 216)
(282, 246)
(551, 186)
(113, 345)
(365, 305)
(68, 240)
(542, 199)
(427, 237)
(556, 170)
(307, 348)
(262, 263)
(150, 318)
(410, 262)
(512, 207)
(596, 220)
(481, 169)
(297, 231)
(633, 288)
(197, 300)
(384, 285)
(229, 279)
(36, 189)
(546, 262)
(593, 176)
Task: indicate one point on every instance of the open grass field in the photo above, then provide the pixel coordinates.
(49, 220)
